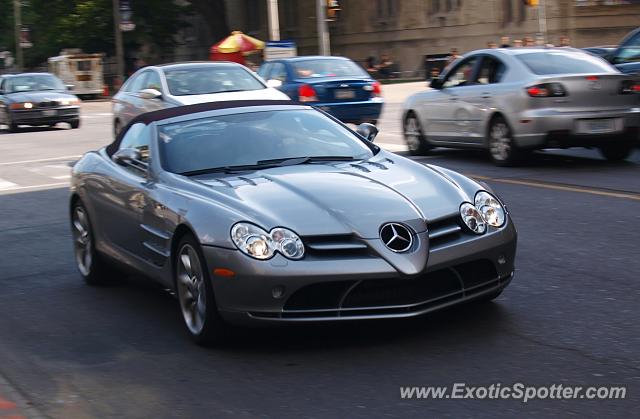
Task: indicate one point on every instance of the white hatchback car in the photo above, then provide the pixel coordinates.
(157, 87)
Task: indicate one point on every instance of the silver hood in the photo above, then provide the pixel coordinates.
(320, 199)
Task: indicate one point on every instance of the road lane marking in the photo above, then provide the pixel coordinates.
(5, 184)
(40, 160)
(26, 188)
(560, 187)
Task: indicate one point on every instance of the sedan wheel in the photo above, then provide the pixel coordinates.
(617, 151)
(502, 148)
(195, 294)
(413, 136)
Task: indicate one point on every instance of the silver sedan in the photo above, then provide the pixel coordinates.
(511, 101)
(168, 85)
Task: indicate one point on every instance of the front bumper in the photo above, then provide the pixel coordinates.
(546, 128)
(355, 287)
(354, 112)
(45, 116)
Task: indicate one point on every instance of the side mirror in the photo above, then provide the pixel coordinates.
(149, 94)
(126, 156)
(274, 83)
(69, 86)
(368, 131)
(436, 83)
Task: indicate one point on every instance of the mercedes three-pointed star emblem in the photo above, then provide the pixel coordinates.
(396, 237)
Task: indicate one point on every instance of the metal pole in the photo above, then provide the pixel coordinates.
(323, 32)
(542, 21)
(119, 47)
(274, 23)
(17, 16)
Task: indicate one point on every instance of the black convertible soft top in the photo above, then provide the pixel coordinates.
(149, 117)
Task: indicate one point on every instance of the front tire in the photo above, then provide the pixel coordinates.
(75, 124)
(90, 264)
(195, 294)
(616, 151)
(413, 136)
(502, 147)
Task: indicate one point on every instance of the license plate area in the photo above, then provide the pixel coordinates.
(49, 112)
(599, 126)
(345, 94)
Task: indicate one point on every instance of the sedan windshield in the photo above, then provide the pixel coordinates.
(564, 62)
(327, 68)
(210, 79)
(257, 139)
(34, 83)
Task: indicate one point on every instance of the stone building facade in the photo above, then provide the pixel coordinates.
(407, 30)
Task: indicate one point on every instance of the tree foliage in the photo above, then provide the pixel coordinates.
(88, 25)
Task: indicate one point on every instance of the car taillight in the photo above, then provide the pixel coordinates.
(377, 89)
(547, 90)
(307, 93)
(628, 87)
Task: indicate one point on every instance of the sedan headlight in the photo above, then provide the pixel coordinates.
(20, 106)
(69, 102)
(490, 208)
(257, 243)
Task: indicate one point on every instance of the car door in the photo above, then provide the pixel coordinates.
(151, 81)
(442, 110)
(119, 194)
(3, 102)
(125, 102)
(476, 98)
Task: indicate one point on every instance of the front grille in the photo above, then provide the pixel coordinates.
(49, 104)
(337, 245)
(372, 297)
(444, 231)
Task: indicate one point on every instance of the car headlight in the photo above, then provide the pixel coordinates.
(257, 243)
(22, 105)
(69, 102)
(490, 208)
(472, 218)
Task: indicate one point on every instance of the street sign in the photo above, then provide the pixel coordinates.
(25, 37)
(280, 49)
(126, 24)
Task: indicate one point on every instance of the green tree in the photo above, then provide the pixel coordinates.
(88, 25)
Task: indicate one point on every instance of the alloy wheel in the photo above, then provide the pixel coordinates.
(500, 142)
(412, 134)
(191, 289)
(82, 241)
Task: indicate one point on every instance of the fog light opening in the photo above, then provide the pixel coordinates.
(277, 292)
(502, 260)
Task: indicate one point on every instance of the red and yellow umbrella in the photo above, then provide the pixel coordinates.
(237, 42)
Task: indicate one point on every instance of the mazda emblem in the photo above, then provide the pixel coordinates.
(396, 237)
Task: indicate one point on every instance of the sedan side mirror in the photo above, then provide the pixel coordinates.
(149, 94)
(436, 83)
(274, 83)
(368, 131)
(69, 86)
(127, 156)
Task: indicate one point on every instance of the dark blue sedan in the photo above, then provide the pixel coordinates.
(336, 85)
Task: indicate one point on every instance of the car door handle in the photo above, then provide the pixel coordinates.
(486, 95)
(453, 98)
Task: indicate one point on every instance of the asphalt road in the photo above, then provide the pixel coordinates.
(570, 316)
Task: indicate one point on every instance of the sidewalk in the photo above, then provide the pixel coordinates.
(13, 405)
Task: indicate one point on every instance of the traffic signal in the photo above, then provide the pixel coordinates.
(532, 3)
(333, 7)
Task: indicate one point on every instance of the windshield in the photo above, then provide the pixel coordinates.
(213, 79)
(248, 139)
(34, 83)
(327, 68)
(564, 62)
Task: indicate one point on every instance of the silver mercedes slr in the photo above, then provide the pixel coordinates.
(511, 101)
(274, 212)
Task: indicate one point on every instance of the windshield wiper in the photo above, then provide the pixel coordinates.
(228, 169)
(292, 161)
